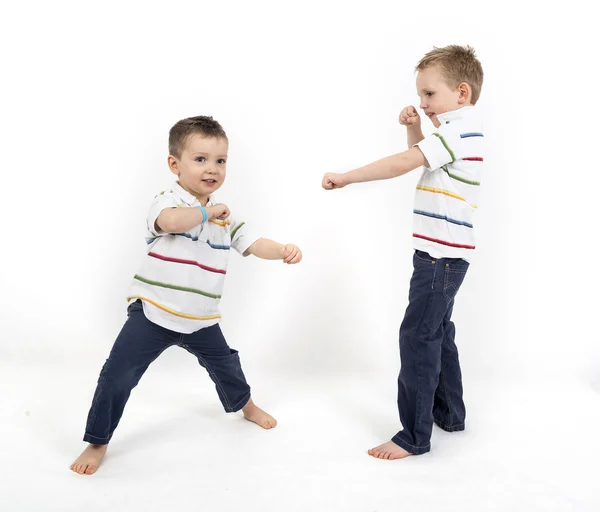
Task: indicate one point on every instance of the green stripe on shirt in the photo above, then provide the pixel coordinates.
(236, 230)
(445, 145)
(458, 178)
(175, 287)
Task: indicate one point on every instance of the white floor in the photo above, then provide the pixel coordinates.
(527, 447)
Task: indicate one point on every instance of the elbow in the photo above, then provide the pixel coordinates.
(398, 170)
(397, 166)
(253, 248)
(167, 225)
(403, 166)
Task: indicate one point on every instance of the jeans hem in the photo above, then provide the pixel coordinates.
(239, 405)
(88, 438)
(450, 428)
(414, 450)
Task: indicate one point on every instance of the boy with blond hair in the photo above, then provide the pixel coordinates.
(430, 389)
(175, 295)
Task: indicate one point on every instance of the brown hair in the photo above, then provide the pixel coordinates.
(204, 126)
(457, 64)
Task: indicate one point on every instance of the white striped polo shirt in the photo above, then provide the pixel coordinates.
(181, 278)
(446, 195)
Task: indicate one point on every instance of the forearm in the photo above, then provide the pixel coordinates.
(414, 135)
(180, 220)
(267, 249)
(386, 168)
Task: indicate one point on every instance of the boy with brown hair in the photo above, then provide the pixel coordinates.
(174, 297)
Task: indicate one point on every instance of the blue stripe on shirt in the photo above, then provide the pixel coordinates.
(442, 217)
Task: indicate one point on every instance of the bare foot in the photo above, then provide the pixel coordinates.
(87, 463)
(258, 416)
(389, 450)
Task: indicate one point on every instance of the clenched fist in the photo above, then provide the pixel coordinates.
(332, 180)
(291, 254)
(409, 116)
(218, 211)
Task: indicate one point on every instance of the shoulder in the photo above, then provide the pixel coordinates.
(169, 196)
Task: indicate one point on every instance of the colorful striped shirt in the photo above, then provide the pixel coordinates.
(181, 278)
(447, 193)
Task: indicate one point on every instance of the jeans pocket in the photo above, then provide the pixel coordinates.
(423, 258)
(454, 275)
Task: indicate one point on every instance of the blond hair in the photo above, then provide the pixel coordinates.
(457, 64)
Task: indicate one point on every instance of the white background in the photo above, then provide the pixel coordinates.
(88, 94)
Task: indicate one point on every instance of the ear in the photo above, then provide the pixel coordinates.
(173, 164)
(464, 93)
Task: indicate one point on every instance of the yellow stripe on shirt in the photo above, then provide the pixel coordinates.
(445, 192)
(172, 311)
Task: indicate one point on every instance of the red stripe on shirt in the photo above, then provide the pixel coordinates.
(461, 246)
(186, 262)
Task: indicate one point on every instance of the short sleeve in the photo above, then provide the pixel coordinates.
(443, 147)
(161, 201)
(242, 236)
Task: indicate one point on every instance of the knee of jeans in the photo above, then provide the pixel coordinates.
(223, 356)
(233, 358)
(224, 363)
(429, 330)
(117, 378)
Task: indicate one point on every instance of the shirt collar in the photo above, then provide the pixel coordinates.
(187, 197)
(454, 115)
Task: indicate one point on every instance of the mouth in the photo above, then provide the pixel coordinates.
(210, 182)
(430, 115)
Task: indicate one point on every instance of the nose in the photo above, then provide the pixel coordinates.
(423, 104)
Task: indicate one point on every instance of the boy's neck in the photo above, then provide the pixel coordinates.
(457, 109)
(461, 106)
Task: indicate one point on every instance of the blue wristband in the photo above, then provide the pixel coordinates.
(204, 213)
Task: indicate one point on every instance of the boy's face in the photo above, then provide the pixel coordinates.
(437, 97)
(202, 166)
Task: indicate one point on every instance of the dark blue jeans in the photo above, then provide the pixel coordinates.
(141, 342)
(430, 381)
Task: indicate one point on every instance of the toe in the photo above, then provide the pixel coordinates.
(91, 469)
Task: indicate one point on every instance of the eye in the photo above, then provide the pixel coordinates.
(200, 159)
(429, 94)
(221, 161)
